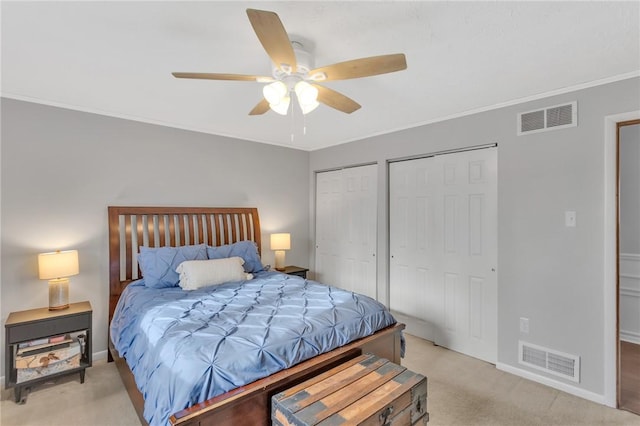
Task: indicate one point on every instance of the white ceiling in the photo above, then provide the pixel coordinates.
(116, 58)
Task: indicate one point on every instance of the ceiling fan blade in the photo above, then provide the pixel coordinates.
(214, 76)
(273, 36)
(261, 108)
(336, 100)
(363, 67)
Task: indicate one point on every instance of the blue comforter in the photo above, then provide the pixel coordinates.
(185, 347)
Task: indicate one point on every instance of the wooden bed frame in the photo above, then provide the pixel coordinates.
(131, 227)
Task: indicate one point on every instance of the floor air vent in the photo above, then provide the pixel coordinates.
(553, 362)
(551, 118)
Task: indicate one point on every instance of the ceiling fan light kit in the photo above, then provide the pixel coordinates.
(278, 94)
(292, 71)
(275, 92)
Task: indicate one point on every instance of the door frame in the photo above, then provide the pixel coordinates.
(611, 258)
(619, 125)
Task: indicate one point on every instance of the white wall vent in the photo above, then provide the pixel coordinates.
(553, 362)
(550, 118)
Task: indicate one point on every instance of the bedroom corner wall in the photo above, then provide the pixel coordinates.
(547, 272)
(60, 169)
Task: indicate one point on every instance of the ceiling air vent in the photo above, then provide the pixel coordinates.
(553, 362)
(551, 118)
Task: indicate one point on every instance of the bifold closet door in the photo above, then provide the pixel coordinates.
(346, 221)
(443, 248)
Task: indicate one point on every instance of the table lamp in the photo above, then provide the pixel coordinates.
(280, 243)
(56, 267)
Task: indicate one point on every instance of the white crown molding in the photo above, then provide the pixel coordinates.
(568, 89)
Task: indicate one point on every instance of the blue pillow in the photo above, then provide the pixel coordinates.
(244, 249)
(158, 264)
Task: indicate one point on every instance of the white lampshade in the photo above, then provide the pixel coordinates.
(306, 93)
(58, 264)
(281, 241)
(275, 92)
(307, 108)
(282, 107)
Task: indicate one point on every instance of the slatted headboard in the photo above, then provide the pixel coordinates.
(131, 227)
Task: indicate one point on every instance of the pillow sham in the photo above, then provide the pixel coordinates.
(247, 250)
(158, 264)
(195, 274)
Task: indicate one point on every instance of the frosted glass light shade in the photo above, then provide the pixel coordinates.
(306, 109)
(275, 92)
(281, 241)
(306, 93)
(58, 264)
(307, 96)
(282, 107)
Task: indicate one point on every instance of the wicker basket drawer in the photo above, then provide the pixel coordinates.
(366, 391)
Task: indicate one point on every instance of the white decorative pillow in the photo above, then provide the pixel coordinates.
(202, 273)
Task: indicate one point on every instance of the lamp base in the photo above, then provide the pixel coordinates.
(280, 260)
(58, 308)
(58, 294)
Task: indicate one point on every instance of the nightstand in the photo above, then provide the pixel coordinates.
(43, 344)
(296, 270)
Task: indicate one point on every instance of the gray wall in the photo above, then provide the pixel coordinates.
(546, 272)
(62, 168)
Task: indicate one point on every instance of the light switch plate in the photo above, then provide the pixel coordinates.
(570, 219)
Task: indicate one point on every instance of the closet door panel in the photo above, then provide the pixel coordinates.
(443, 248)
(346, 226)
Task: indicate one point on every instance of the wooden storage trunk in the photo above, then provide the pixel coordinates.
(366, 390)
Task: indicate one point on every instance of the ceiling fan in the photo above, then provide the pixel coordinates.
(292, 72)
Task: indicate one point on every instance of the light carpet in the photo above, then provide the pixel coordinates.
(462, 391)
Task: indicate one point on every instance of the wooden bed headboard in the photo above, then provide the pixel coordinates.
(131, 227)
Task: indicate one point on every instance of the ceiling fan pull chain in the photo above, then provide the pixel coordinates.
(304, 124)
(293, 121)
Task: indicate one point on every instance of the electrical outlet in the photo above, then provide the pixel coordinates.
(524, 325)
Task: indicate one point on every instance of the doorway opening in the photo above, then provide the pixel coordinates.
(628, 265)
(610, 260)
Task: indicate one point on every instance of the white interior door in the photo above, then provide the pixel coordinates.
(443, 248)
(346, 221)
(328, 212)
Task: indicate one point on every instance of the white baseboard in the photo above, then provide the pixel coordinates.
(98, 356)
(630, 336)
(570, 389)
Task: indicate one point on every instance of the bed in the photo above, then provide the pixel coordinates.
(244, 400)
